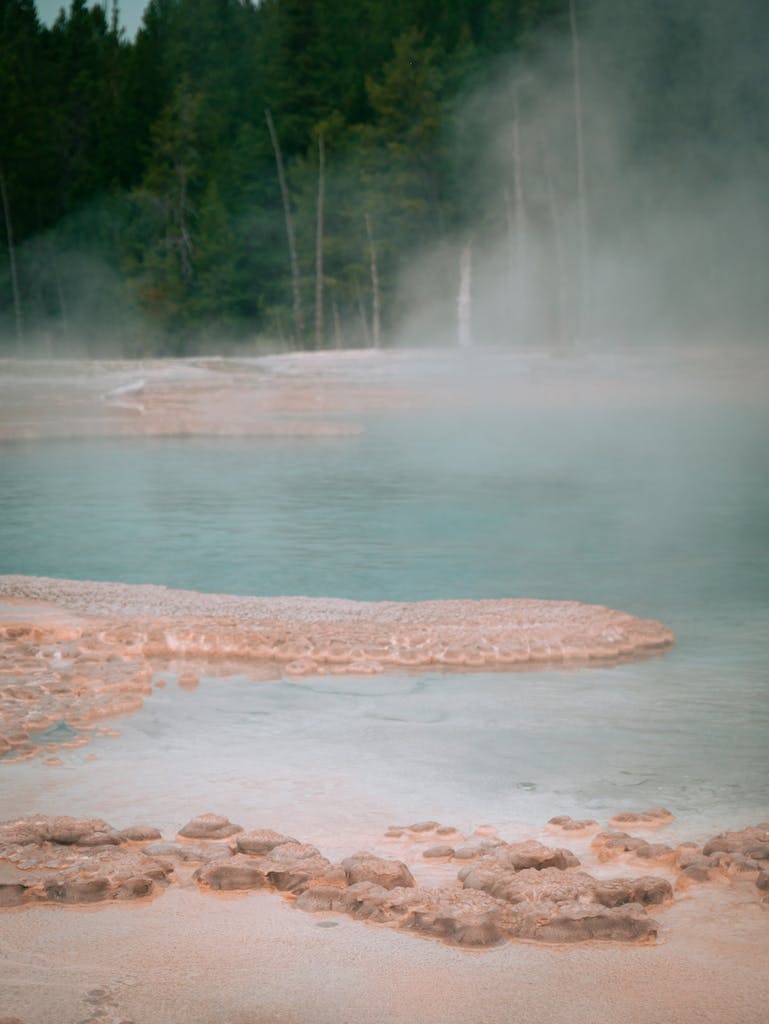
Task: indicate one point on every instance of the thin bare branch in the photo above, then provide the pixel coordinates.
(298, 317)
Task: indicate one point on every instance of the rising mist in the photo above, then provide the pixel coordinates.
(672, 243)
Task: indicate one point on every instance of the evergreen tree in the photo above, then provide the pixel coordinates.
(161, 255)
(151, 159)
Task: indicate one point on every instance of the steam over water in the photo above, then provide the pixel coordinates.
(662, 513)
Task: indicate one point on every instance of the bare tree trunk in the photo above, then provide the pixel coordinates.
(363, 317)
(11, 259)
(517, 223)
(510, 302)
(584, 240)
(338, 339)
(510, 218)
(59, 289)
(513, 271)
(279, 326)
(464, 297)
(184, 241)
(521, 220)
(298, 317)
(552, 201)
(375, 304)
(319, 245)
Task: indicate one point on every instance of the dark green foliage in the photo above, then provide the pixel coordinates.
(145, 168)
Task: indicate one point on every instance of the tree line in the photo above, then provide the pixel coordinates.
(244, 170)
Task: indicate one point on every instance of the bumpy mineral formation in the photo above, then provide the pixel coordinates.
(91, 650)
(505, 891)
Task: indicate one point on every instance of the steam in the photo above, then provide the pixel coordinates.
(670, 241)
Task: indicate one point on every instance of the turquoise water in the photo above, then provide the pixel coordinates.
(663, 513)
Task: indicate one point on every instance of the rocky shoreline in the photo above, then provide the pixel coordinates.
(503, 891)
(73, 653)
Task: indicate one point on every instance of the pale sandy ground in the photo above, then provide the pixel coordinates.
(193, 959)
(330, 393)
(189, 958)
(200, 397)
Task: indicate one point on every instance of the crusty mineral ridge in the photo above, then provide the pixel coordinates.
(383, 892)
(73, 860)
(652, 818)
(752, 842)
(261, 840)
(518, 890)
(389, 874)
(290, 868)
(89, 652)
(330, 632)
(209, 826)
(736, 854)
(739, 855)
(564, 823)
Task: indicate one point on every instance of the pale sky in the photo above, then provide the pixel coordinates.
(131, 12)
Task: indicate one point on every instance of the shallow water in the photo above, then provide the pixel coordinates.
(664, 513)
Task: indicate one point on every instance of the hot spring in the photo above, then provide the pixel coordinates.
(656, 507)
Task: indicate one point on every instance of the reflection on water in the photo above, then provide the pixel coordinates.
(664, 515)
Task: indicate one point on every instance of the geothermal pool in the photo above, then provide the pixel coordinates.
(643, 495)
(662, 511)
